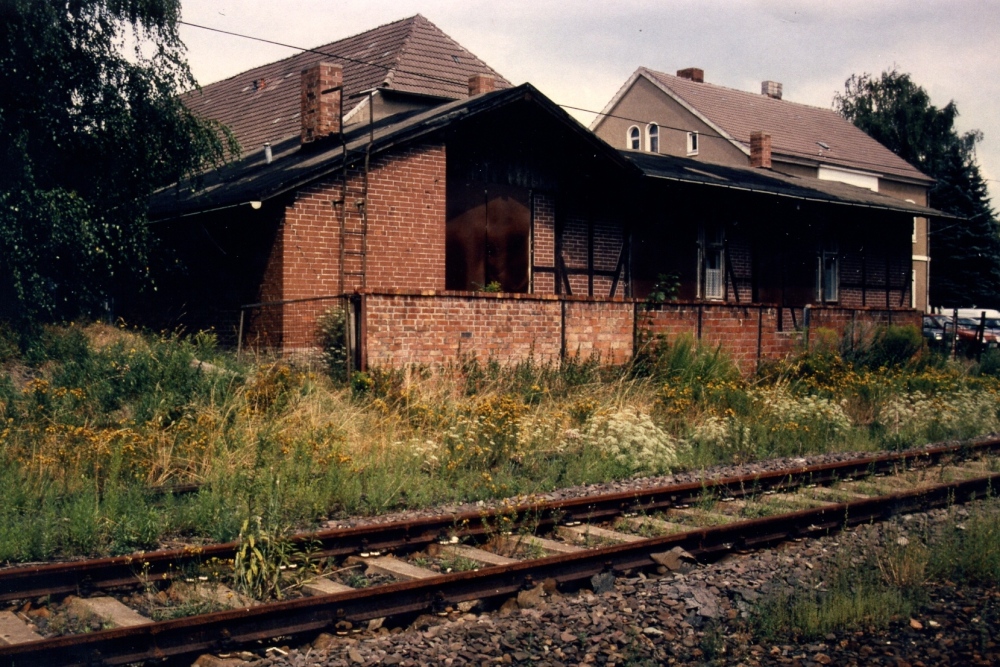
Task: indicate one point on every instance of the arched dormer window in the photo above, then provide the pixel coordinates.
(634, 142)
(653, 138)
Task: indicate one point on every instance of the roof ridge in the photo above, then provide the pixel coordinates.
(300, 50)
(745, 92)
(391, 72)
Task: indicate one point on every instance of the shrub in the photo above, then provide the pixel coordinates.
(890, 347)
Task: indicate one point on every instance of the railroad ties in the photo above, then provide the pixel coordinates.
(437, 564)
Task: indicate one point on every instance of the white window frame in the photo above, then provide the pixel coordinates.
(692, 143)
(633, 138)
(653, 135)
(828, 291)
(711, 241)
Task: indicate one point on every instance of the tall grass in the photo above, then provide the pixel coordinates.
(95, 417)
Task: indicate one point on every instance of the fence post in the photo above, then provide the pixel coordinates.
(348, 333)
(954, 333)
(760, 332)
(239, 336)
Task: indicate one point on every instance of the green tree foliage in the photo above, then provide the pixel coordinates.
(90, 125)
(899, 114)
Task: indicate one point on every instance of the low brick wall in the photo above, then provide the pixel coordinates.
(435, 327)
(747, 333)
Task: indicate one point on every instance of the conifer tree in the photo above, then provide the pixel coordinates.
(894, 110)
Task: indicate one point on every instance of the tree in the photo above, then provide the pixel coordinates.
(898, 113)
(91, 123)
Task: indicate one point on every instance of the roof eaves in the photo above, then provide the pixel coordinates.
(787, 195)
(784, 180)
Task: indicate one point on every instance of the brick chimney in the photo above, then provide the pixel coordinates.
(694, 73)
(481, 83)
(320, 104)
(771, 89)
(760, 149)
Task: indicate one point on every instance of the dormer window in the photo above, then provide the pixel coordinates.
(653, 138)
(633, 141)
(692, 143)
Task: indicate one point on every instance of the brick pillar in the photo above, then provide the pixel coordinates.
(321, 110)
(481, 83)
(760, 149)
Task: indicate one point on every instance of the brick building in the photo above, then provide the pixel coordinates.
(494, 224)
(683, 115)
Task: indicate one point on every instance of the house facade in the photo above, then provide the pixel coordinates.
(496, 225)
(685, 116)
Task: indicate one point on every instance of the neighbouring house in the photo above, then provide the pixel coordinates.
(487, 221)
(683, 115)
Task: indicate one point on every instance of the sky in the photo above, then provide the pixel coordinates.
(579, 54)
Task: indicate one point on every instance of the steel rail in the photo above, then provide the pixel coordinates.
(224, 631)
(85, 577)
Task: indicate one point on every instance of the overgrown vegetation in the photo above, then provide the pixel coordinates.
(96, 418)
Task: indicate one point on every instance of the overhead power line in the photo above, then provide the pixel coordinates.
(439, 79)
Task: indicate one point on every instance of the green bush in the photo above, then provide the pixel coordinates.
(889, 347)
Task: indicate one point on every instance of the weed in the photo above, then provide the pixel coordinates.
(261, 557)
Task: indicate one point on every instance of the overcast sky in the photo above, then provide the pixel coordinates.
(580, 53)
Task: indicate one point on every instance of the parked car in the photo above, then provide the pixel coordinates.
(968, 330)
(937, 329)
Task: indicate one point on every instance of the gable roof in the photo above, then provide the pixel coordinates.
(796, 129)
(251, 179)
(767, 181)
(411, 55)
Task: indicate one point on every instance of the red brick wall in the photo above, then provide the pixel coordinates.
(412, 327)
(839, 318)
(607, 245)
(544, 244)
(740, 258)
(874, 279)
(600, 328)
(430, 328)
(406, 233)
(433, 329)
(738, 330)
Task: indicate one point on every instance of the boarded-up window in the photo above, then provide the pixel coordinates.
(488, 236)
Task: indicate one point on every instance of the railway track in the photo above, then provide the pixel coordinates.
(564, 543)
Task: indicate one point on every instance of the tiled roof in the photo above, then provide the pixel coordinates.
(253, 179)
(412, 55)
(795, 129)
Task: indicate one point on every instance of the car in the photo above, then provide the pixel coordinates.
(968, 330)
(937, 329)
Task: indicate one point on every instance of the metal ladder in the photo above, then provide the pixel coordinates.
(362, 204)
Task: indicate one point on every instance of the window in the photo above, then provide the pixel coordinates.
(633, 139)
(827, 275)
(653, 138)
(692, 143)
(711, 259)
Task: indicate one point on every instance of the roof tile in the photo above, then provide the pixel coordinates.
(411, 55)
(795, 129)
